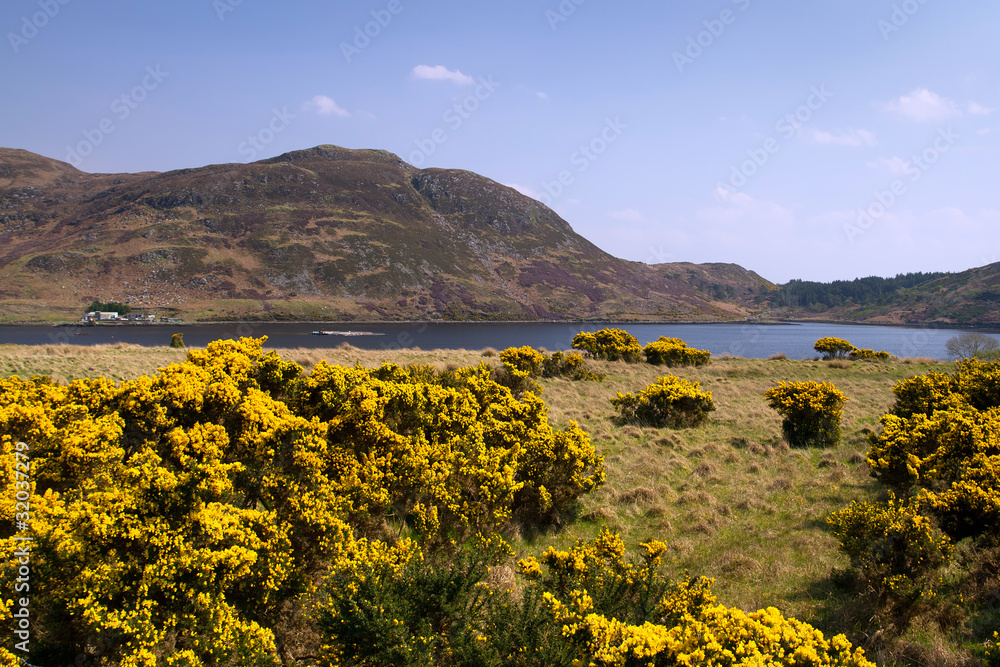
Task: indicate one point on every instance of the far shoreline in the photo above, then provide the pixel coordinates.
(609, 322)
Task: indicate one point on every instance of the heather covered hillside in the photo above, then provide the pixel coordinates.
(326, 233)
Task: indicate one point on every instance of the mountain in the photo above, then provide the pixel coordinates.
(969, 298)
(323, 234)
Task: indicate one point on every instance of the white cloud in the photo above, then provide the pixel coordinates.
(325, 106)
(924, 106)
(979, 109)
(629, 215)
(442, 73)
(852, 138)
(983, 132)
(894, 165)
(542, 96)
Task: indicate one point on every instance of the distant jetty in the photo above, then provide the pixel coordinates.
(346, 333)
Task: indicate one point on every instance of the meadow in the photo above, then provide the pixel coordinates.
(731, 499)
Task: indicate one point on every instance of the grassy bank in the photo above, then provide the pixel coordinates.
(730, 498)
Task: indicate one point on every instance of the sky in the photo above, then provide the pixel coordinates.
(800, 139)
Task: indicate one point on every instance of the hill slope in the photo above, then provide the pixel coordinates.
(970, 298)
(324, 233)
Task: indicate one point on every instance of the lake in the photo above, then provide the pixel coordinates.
(742, 340)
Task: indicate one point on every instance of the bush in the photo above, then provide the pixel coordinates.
(991, 653)
(177, 340)
(892, 546)
(403, 607)
(522, 365)
(811, 412)
(590, 604)
(610, 610)
(669, 402)
(570, 365)
(610, 345)
(870, 355)
(523, 362)
(674, 352)
(939, 451)
(971, 345)
(923, 394)
(949, 457)
(833, 348)
(194, 511)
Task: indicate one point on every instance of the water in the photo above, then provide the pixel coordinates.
(743, 340)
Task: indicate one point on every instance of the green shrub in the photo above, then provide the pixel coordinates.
(833, 348)
(892, 546)
(991, 653)
(609, 344)
(569, 365)
(674, 352)
(412, 609)
(811, 412)
(177, 340)
(669, 402)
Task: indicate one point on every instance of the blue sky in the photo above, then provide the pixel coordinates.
(799, 139)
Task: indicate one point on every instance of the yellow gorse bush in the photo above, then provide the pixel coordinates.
(944, 440)
(870, 355)
(939, 453)
(669, 402)
(892, 545)
(833, 348)
(180, 517)
(811, 412)
(609, 344)
(523, 362)
(589, 589)
(673, 352)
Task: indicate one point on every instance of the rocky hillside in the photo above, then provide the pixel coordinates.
(326, 233)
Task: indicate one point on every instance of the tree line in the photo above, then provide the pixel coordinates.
(872, 290)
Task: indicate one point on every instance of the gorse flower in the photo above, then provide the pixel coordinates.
(811, 412)
(183, 513)
(669, 402)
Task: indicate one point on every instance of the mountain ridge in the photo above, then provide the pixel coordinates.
(325, 233)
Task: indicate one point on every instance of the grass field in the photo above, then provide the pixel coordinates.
(731, 499)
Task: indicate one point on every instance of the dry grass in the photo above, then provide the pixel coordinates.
(731, 499)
